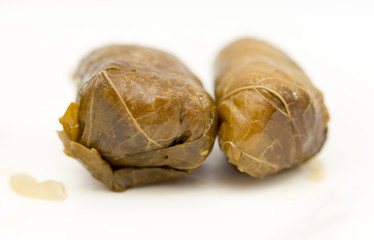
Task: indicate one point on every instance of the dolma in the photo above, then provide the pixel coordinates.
(271, 116)
(140, 117)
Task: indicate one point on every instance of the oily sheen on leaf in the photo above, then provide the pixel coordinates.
(140, 117)
(271, 115)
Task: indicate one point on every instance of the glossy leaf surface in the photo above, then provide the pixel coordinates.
(271, 116)
(141, 117)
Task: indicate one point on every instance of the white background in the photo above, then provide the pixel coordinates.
(42, 42)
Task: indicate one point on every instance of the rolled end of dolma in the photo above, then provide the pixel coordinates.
(140, 117)
(271, 116)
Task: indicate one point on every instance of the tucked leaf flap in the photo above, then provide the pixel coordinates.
(70, 121)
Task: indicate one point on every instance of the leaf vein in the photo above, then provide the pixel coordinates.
(107, 78)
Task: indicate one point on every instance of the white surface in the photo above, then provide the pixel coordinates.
(41, 43)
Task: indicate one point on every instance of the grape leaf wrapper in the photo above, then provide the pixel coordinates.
(271, 116)
(140, 117)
